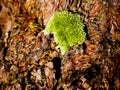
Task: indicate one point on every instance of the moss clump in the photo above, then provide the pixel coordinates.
(67, 29)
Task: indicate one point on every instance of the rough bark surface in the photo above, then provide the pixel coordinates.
(29, 60)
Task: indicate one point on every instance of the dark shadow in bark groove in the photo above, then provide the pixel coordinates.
(57, 66)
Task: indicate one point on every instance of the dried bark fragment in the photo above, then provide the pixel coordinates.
(114, 15)
(97, 6)
(4, 75)
(6, 22)
(50, 76)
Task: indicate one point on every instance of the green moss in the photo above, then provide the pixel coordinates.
(67, 29)
(32, 25)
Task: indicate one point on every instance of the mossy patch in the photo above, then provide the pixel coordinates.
(67, 29)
